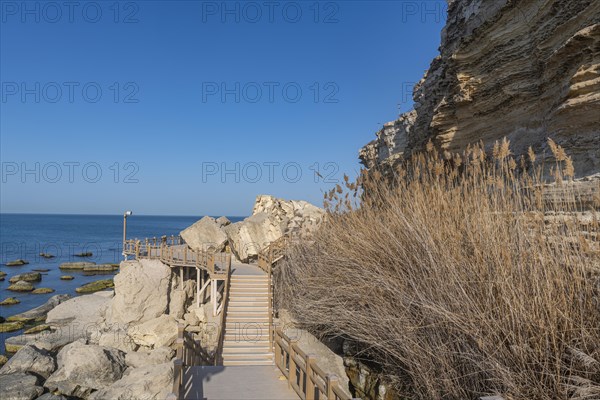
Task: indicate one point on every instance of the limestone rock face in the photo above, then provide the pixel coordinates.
(522, 70)
(141, 292)
(390, 143)
(158, 332)
(148, 382)
(30, 359)
(205, 234)
(84, 368)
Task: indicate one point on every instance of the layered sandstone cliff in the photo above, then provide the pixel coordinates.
(526, 70)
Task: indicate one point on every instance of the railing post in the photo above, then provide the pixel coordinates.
(332, 382)
(291, 365)
(310, 386)
(178, 378)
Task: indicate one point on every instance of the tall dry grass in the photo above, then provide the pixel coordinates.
(449, 277)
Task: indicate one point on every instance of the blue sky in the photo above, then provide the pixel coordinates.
(192, 107)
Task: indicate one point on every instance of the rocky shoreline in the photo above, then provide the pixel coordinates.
(118, 342)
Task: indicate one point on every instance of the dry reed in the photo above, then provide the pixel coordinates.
(450, 278)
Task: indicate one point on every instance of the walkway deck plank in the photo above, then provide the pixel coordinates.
(236, 383)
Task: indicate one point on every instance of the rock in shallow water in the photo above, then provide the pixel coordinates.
(42, 290)
(9, 301)
(37, 329)
(39, 313)
(84, 368)
(16, 263)
(21, 286)
(77, 265)
(95, 286)
(11, 326)
(27, 277)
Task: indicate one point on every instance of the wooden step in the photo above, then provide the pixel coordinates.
(249, 298)
(250, 278)
(247, 362)
(248, 356)
(245, 349)
(242, 303)
(248, 308)
(254, 343)
(240, 337)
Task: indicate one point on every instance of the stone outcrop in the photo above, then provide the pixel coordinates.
(150, 382)
(205, 234)
(249, 236)
(20, 386)
(30, 359)
(158, 332)
(83, 369)
(39, 313)
(390, 143)
(271, 218)
(522, 70)
(160, 355)
(298, 217)
(141, 292)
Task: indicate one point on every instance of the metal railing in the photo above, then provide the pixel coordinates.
(303, 374)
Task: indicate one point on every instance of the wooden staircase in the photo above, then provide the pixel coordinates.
(246, 340)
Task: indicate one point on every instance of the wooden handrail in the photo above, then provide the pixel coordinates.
(188, 352)
(225, 303)
(303, 373)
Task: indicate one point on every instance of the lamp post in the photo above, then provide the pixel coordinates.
(125, 215)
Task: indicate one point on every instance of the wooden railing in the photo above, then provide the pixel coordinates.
(189, 352)
(274, 252)
(223, 311)
(174, 252)
(303, 374)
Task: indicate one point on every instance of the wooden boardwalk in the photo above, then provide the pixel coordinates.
(247, 382)
(253, 359)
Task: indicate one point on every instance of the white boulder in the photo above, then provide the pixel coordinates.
(137, 359)
(84, 368)
(149, 382)
(205, 234)
(141, 292)
(30, 359)
(158, 332)
(248, 237)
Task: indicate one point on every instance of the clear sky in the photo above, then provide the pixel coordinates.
(196, 107)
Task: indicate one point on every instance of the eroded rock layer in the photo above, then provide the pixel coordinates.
(525, 70)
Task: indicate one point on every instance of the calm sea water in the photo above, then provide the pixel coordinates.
(25, 236)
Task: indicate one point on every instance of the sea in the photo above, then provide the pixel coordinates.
(25, 236)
